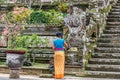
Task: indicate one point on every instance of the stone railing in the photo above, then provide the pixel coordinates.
(92, 31)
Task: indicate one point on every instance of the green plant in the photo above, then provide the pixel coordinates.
(56, 17)
(2, 1)
(63, 7)
(105, 9)
(13, 32)
(19, 15)
(38, 17)
(45, 17)
(36, 42)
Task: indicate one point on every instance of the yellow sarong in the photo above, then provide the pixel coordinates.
(59, 60)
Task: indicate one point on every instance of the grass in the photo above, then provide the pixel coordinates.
(2, 63)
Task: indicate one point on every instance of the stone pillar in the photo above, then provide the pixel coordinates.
(14, 74)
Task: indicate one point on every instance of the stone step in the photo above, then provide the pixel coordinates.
(107, 44)
(104, 61)
(68, 71)
(103, 74)
(111, 31)
(111, 19)
(107, 24)
(115, 10)
(113, 23)
(108, 40)
(2, 55)
(110, 36)
(114, 13)
(118, 1)
(113, 16)
(112, 27)
(46, 76)
(2, 59)
(101, 67)
(40, 33)
(117, 4)
(107, 50)
(106, 55)
(116, 7)
(52, 76)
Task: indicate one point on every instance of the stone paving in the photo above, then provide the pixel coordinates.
(27, 77)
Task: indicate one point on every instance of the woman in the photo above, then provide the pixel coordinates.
(59, 56)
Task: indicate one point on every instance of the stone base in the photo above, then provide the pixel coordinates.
(14, 74)
(46, 76)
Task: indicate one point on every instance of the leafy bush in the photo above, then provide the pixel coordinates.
(56, 17)
(38, 17)
(63, 7)
(2, 1)
(24, 15)
(25, 41)
(51, 16)
(20, 14)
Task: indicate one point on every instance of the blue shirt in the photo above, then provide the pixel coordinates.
(59, 43)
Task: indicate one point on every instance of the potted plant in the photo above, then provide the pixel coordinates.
(13, 32)
(15, 51)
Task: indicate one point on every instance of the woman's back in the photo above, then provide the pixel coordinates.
(58, 43)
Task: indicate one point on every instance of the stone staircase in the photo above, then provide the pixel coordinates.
(105, 61)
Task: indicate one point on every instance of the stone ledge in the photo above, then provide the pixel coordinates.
(41, 71)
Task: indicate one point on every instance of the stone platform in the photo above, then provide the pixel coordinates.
(29, 77)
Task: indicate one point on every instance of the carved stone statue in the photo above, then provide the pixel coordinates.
(75, 22)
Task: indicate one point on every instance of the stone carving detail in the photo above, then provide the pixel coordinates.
(14, 61)
(76, 25)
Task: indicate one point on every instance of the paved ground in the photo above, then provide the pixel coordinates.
(23, 77)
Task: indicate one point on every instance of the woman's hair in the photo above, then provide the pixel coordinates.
(59, 34)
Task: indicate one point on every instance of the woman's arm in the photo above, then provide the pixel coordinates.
(53, 47)
(66, 45)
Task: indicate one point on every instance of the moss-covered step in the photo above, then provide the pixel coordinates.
(116, 7)
(27, 70)
(107, 44)
(110, 35)
(107, 50)
(106, 55)
(112, 27)
(113, 23)
(109, 40)
(102, 74)
(113, 20)
(111, 31)
(104, 61)
(115, 10)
